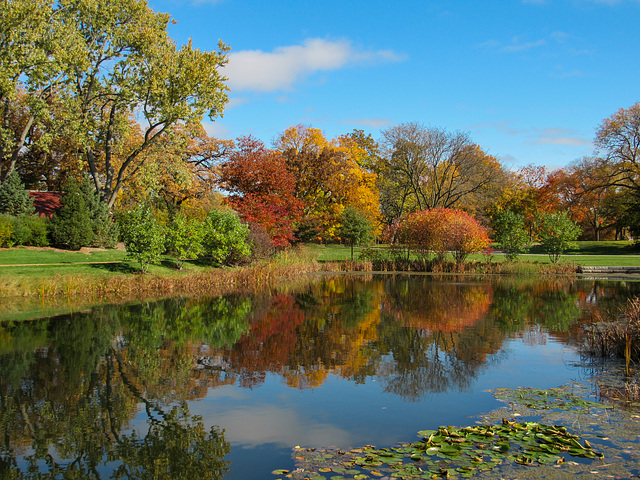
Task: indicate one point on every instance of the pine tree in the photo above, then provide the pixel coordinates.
(14, 199)
(71, 226)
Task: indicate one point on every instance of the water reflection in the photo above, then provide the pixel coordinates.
(103, 393)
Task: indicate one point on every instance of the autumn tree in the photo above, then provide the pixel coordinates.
(618, 145)
(328, 178)
(433, 168)
(261, 188)
(35, 46)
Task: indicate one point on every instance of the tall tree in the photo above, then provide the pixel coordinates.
(618, 140)
(130, 67)
(328, 177)
(34, 45)
(432, 168)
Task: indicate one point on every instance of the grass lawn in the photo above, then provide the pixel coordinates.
(45, 263)
(607, 253)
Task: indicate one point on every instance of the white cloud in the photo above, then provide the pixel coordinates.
(369, 122)
(283, 67)
(558, 136)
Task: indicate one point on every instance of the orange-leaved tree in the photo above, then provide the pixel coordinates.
(443, 230)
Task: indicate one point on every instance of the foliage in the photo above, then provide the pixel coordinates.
(262, 189)
(14, 199)
(442, 230)
(328, 177)
(225, 238)
(355, 228)
(184, 238)
(448, 452)
(30, 230)
(143, 237)
(6, 230)
(556, 232)
(260, 242)
(70, 227)
(510, 233)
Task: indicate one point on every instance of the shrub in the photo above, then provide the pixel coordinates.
(14, 199)
(225, 239)
(143, 237)
(260, 242)
(6, 231)
(443, 230)
(184, 238)
(30, 230)
(70, 227)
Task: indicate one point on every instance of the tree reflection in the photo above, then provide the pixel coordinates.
(71, 386)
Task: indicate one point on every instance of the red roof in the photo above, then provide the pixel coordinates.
(46, 203)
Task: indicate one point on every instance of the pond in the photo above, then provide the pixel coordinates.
(191, 384)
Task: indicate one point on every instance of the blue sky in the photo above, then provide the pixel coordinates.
(530, 80)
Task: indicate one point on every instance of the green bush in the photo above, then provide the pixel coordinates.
(556, 232)
(226, 238)
(143, 237)
(510, 233)
(30, 230)
(184, 239)
(6, 231)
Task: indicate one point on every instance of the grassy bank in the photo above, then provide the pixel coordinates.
(51, 273)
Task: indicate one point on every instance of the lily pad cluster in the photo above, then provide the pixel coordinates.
(448, 452)
(551, 399)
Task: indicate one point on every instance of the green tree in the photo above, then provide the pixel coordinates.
(225, 239)
(556, 232)
(70, 226)
(511, 233)
(14, 199)
(105, 229)
(128, 66)
(143, 236)
(355, 227)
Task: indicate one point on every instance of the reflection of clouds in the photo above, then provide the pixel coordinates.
(252, 426)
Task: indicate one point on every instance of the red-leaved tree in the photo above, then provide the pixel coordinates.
(261, 188)
(443, 230)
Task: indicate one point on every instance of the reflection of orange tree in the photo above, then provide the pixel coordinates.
(447, 308)
(308, 335)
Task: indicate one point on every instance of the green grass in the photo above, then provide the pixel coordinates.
(605, 253)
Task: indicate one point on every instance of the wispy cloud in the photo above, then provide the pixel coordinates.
(558, 136)
(283, 67)
(519, 44)
(368, 122)
(503, 126)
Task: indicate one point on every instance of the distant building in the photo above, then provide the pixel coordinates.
(46, 203)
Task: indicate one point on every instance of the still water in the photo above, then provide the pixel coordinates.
(188, 385)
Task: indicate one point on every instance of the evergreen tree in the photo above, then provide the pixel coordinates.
(71, 226)
(14, 199)
(105, 229)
